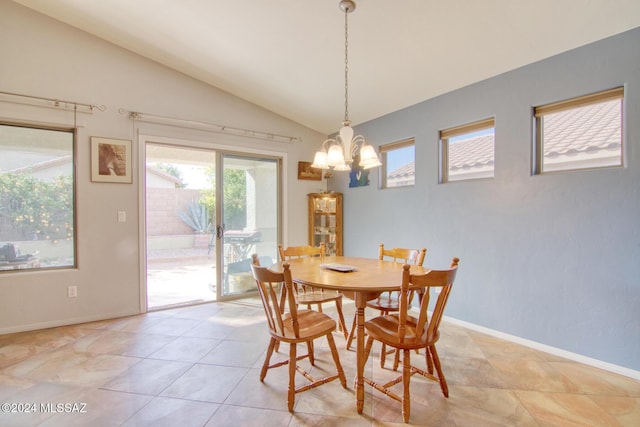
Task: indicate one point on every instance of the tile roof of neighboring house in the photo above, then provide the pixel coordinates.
(162, 174)
(602, 123)
(43, 165)
(472, 152)
(403, 171)
(67, 159)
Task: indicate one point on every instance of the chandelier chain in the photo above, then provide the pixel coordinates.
(346, 68)
(339, 152)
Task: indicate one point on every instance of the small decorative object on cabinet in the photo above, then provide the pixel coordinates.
(325, 221)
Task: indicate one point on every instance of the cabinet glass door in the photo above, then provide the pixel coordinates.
(326, 222)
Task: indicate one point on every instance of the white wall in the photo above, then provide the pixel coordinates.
(553, 259)
(42, 57)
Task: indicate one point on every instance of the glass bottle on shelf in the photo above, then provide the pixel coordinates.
(325, 221)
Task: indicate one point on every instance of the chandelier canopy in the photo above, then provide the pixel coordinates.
(338, 153)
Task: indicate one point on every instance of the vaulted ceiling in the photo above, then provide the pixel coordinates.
(288, 55)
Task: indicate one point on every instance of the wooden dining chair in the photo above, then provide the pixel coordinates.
(406, 332)
(292, 326)
(309, 296)
(388, 301)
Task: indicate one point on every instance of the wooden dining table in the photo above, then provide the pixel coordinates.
(369, 278)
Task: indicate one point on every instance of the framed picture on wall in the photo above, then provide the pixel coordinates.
(305, 171)
(110, 160)
(358, 177)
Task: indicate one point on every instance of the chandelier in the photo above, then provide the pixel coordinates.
(339, 152)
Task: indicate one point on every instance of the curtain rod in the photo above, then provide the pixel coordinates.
(57, 103)
(212, 127)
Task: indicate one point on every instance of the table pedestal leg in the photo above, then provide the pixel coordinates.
(361, 303)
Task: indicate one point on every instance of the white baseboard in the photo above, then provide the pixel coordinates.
(548, 349)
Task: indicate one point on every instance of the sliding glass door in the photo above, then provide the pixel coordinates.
(249, 221)
(180, 219)
(207, 212)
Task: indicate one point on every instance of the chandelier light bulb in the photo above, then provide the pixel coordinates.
(335, 157)
(320, 160)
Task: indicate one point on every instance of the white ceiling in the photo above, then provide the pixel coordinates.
(288, 55)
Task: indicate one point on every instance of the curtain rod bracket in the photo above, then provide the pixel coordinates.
(55, 103)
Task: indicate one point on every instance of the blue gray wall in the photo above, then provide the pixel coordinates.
(553, 259)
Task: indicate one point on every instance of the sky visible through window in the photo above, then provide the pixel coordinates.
(400, 157)
(487, 131)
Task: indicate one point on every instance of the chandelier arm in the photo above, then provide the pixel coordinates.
(359, 139)
(328, 142)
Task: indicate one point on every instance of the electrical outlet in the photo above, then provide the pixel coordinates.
(72, 291)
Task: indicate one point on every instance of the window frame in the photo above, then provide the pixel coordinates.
(445, 135)
(392, 146)
(540, 111)
(73, 131)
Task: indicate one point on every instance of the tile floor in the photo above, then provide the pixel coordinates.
(199, 366)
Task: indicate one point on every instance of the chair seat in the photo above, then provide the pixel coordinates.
(384, 303)
(312, 324)
(315, 297)
(385, 330)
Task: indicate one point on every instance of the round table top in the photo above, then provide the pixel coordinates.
(370, 275)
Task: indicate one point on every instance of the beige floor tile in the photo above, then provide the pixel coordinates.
(206, 383)
(171, 326)
(495, 348)
(121, 343)
(103, 408)
(527, 374)
(626, 410)
(200, 365)
(211, 329)
(186, 349)
(15, 348)
(68, 366)
(564, 409)
(165, 412)
(270, 394)
(591, 380)
(130, 323)
(95, 371)
(313, 420)
(235, 353)
(148, 376)
(241, 416)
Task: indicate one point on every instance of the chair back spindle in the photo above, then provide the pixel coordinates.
(406, 256)
(293, 252)
(269, 283)
(442, 279)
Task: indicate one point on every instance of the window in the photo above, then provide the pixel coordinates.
(468, 151)
(580, 133)
(398, 164)
(37, 221)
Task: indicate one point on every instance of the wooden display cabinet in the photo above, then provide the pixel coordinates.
(325, 221)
